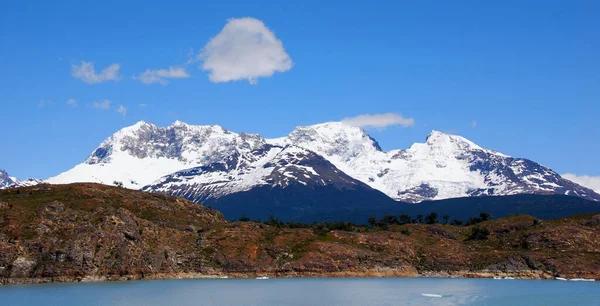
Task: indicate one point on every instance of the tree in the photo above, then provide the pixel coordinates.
(372, 221)
(404, 219)
(432, 218)
(479, 233)
(244, 219)
(456, 222)
(118, 184)
(485, 216)
(419, 218)
(389, 220)
(473, 220)
(446, 217)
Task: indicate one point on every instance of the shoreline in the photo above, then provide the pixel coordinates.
(463, 274)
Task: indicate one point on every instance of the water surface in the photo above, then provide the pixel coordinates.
(317, 291)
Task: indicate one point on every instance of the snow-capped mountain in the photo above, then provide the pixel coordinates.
(272, 166)
(445, 166)
(140, 154)
(7, 181)
(288, 182)
(209, 162)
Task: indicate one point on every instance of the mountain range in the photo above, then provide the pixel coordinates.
(318, 169)
(7, 181)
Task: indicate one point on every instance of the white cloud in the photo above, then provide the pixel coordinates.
(122, 110)
(162, 76)
(591, 182)
(474, 124)
(87, 73)
(379, 120)
(72, 102)
(142, 105)
(245, 49)
(102, 105)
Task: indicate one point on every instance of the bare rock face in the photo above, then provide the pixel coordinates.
(21, 267)
(594, 221)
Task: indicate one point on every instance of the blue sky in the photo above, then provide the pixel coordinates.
(527, 72)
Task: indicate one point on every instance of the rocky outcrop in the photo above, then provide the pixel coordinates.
(90, 232)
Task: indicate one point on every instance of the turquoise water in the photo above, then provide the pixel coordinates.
(356, 291)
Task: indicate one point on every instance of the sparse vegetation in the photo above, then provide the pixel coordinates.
(125, 229)
(479, 233)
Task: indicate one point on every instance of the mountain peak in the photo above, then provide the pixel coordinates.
(333, 139)
(179, 123)
(441, 139)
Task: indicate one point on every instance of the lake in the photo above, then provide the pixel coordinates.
(307, 291)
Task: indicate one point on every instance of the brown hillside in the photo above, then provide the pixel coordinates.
(94, 232)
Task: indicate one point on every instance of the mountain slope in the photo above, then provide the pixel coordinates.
(445, 166)
(140, 154)
(288, 182)
(209, 162)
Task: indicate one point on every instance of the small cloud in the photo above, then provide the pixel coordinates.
(72, 102)
(122, 110)
(162, 76)
(44, 103)
(379, 120)
(87, 73)
(245, 49)
(474, 124)
(101, 105)
(591, 182)
(142, 105)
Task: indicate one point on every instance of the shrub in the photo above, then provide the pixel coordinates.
(389, 220)
(404, 219)
(372, 221)
(405, 231)
(479, 233)
(485, 216)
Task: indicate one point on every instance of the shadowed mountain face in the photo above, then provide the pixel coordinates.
(315, 169)
(292, 184)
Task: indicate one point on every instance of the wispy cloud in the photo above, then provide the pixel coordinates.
(162, 76)
(72, 102)
(474, 124)
(122, 110)
(101, 105)
(379, 120)
(591, 182)
(87, 73)
(142, 105)
(44, 103)
(245, 49)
